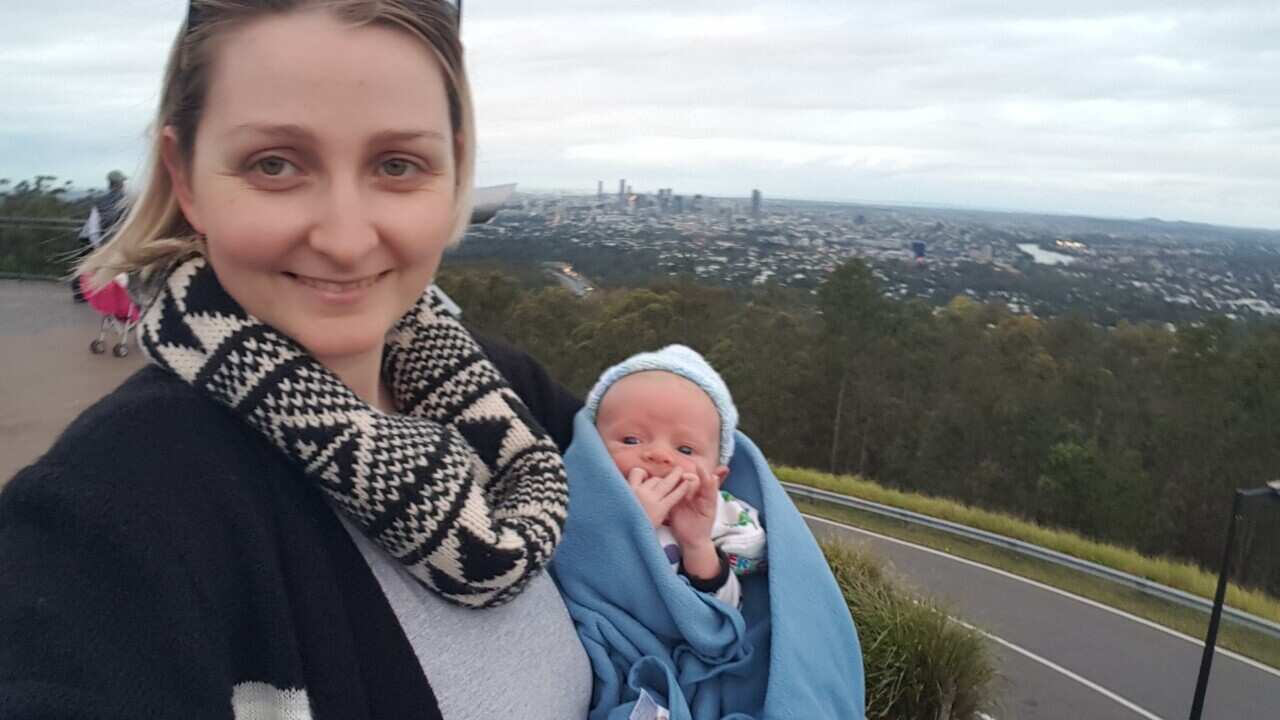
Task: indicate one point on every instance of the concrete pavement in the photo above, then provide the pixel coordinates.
(47, 374)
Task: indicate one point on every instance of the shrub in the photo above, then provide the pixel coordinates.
(920, 665)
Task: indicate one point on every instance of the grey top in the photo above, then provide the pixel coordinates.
(522, 659)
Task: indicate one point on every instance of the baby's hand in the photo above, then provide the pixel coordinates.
(657, 495)
(691, 521)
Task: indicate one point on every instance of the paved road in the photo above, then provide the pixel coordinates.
(1065, 658)
(47, 374)
(572, 280)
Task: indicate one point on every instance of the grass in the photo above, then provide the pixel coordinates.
(919, 664)
(1173, 573)
(1190, 622)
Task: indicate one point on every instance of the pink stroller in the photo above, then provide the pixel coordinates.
(118, 312)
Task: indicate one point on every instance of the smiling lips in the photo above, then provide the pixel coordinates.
(331, 286)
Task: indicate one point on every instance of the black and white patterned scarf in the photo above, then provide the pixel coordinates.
(464, 488)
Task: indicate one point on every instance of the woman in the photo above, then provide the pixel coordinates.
(324, 498)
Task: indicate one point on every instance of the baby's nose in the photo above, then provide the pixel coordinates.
(658, 456)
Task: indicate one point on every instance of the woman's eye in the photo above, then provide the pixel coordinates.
(273, 166)
(398, 167)
(685, 449)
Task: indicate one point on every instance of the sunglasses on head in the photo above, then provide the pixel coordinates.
(194, 10)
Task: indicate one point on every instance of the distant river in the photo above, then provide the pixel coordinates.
(1045, 257)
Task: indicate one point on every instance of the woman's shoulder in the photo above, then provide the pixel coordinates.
(152, 414)
(153, 465)
(154, 431)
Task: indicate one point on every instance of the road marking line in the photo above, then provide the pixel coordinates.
(1092, 603)
(1054, 666)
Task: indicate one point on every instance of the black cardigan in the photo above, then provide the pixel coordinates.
(162, 552)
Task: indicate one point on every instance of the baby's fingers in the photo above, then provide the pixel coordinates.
(635, 477)
(663, 485)
(673, 498)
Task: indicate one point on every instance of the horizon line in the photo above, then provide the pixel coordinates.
(529, 189)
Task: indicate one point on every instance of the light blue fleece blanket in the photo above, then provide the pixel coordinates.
(791, 652)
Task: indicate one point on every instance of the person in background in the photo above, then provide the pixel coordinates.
(104, 216)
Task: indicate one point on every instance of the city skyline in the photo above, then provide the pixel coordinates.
(1163, 110)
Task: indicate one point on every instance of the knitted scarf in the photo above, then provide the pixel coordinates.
(464, 488)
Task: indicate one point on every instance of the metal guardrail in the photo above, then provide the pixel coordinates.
(41, 223)
(60, 229)
(1164, 592)
(31, 277)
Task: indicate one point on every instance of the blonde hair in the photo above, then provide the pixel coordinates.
(154, 234)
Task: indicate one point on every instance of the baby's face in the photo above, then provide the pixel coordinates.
(659, 421)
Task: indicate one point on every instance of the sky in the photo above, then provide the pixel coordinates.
(1146, 108)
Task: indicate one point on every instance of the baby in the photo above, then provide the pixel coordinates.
(668, 421)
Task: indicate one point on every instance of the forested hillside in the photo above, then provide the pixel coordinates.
(1133, 434)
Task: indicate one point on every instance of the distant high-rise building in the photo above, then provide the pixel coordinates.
(599, 189)
(679, 204)
(756, 201)
(622, 191)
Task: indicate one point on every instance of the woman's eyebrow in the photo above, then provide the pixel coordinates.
(273, 130)
(292, 131)
(387, 136)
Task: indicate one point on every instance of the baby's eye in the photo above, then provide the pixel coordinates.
(685, 449)
(631, 440)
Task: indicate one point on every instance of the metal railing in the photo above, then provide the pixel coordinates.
(38, 248)
(1155, 589)
(41, 223)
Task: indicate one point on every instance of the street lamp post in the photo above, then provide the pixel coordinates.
(1272, 490)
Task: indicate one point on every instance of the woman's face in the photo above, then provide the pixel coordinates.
(322, 177)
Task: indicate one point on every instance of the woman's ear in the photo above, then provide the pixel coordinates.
(178, 169)
(720, 474)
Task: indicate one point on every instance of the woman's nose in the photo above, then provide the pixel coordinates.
(343, 231)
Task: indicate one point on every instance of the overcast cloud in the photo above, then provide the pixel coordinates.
(1129, 109)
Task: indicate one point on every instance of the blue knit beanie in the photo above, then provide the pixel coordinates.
(688, 364)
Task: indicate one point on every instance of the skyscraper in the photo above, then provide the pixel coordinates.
(622, 192)
(599, 189)
(756, 201)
